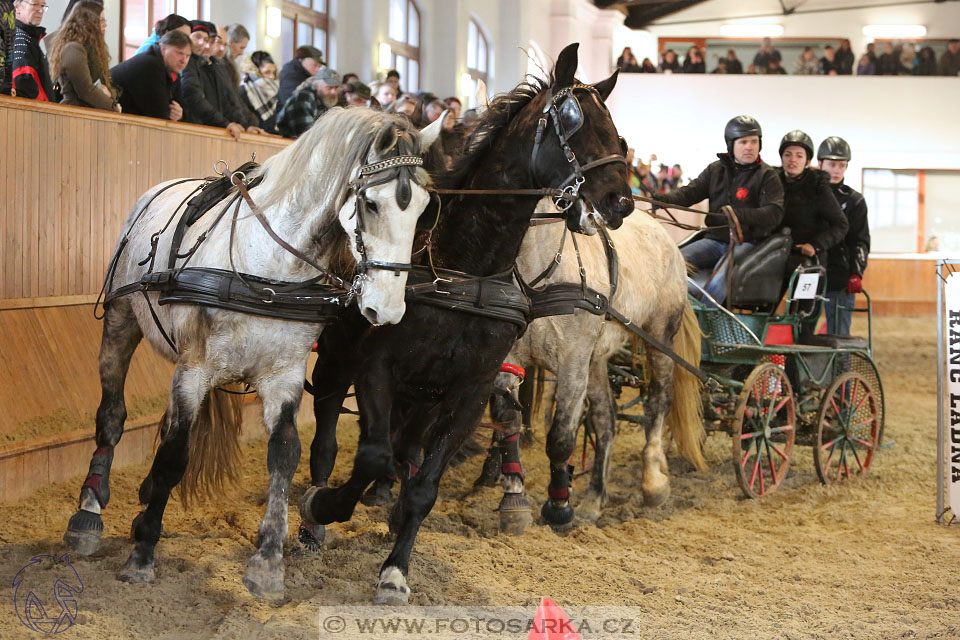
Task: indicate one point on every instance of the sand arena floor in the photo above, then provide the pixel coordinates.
(861, 559)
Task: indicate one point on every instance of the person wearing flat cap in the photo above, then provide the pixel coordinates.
(314, 97)
(307, 61)
(356, 94)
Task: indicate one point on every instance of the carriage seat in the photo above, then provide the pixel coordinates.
(834, 342)
(758, 276)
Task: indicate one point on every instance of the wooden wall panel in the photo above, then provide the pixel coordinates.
(78, 174)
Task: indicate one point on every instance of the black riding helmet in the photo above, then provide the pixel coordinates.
(799, 139)
(741, 127)
(834, 148)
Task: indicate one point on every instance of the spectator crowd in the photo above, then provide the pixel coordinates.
(188, 71)
(896, 58)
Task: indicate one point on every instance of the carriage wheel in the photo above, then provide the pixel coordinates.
(764, 428)
(848, 428)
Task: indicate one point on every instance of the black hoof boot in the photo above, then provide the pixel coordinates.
(379, 494)
(559, 518)
(83, 532)
(490, 473)
(312, 537)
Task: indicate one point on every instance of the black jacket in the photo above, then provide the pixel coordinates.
(205, 93)
(754, 191)
(8, 33)
(812, 211)
(849, 256)
(844, 60)
(31, 75)
(146, 86)
(291, 75)
(888, 65)
(734, 66)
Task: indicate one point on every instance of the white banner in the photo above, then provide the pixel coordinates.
(951, 297)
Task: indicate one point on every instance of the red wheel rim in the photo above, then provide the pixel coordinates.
(764, 431)
(848, 428)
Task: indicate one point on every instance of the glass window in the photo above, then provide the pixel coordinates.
(404, 41)
(478, 58)
(305, 22)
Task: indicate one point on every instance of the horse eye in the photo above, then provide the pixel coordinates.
(371, 205)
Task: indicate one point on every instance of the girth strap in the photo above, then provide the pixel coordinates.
(495, 297)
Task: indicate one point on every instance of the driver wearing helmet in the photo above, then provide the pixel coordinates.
(811, 211)
(847, 260)
(739, 179)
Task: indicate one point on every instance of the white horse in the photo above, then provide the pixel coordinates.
(351, 181)
(652, 291)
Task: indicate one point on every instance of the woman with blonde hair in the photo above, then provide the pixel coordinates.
(79, 60)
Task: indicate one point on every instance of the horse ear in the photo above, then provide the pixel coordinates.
(566, 67)
(605, 87)
(430, 133)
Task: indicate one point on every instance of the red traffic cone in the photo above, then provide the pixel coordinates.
(551, 623)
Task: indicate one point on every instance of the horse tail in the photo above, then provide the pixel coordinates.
(685, 420)
(214, 446)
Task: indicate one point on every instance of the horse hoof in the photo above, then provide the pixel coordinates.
(526, 436)
(656, 498)
(515, 514)
(264, 578)
(135, 574)
(377, 495)
(312, 537)
(559, 518)
(83, 532)
(589, 507)
(392, 588)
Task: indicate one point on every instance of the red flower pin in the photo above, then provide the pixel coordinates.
(742, 193)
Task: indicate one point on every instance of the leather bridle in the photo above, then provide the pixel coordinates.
(567, 115)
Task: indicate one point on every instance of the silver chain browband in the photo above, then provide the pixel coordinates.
(396, 161)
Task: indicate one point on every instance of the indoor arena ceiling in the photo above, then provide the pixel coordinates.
(641, 13)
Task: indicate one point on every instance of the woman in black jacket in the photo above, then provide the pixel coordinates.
(810, 208)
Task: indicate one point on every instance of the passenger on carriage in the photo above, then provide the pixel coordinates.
(743, 181)
(847, 260)
(811, 210)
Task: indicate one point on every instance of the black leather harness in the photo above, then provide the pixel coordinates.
(495, 297)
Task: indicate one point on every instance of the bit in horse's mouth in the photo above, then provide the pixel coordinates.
(590, 219)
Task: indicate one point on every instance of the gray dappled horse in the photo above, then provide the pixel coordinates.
(315, 198)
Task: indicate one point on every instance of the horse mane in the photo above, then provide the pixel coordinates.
(496, 117)
(315, 171)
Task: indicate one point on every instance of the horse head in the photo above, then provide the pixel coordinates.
(578, 148)
(381, 214)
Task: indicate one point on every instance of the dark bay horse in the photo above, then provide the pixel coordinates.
(423, 384)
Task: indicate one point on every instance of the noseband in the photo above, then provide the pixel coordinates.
(565, 111)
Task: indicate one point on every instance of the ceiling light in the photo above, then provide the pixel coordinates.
(894, 31)
(747, 30)
(274, 21)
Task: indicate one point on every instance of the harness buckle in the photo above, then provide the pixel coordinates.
(273, 294)
(438, 280)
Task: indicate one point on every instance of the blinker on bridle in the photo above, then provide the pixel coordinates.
(564, 109)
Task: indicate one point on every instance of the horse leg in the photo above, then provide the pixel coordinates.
(374, 458)
(561, 440)
(190, 387)
(525, 396)
(281, 399)
(332, 376)
(514, 508)
(419, 495)
(656, 481)
(121, 335)
(603, 418)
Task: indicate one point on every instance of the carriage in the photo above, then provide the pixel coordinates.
(769, 386)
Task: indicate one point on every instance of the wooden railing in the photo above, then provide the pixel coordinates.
(70, 177)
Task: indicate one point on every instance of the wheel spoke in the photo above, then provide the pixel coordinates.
(865, 397)
(773, 469)
(864, 423)
(867, 445)
(760, 469)
(777, 449)
(836, 409)
(841, 462)
(753, 434)
(786, 427)
(853, 450)
(782, 403)
(753, 476)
